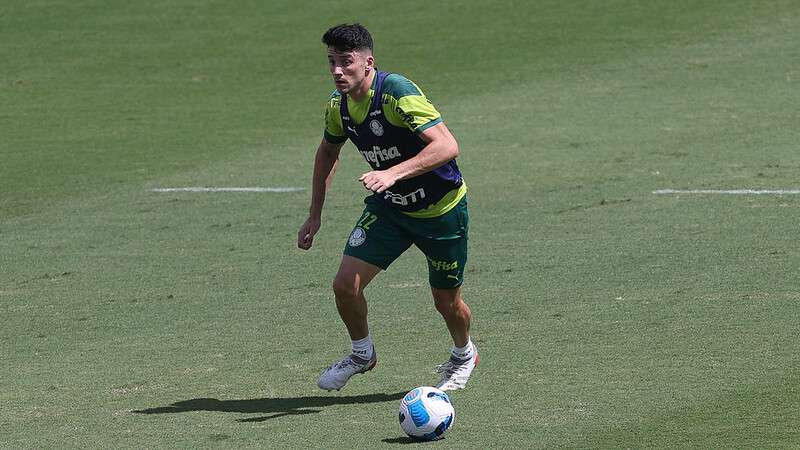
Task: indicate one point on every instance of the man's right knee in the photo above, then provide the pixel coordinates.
(352, 278)
(346, 287)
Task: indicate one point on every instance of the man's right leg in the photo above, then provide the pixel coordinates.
(348, 286)
(376, 241)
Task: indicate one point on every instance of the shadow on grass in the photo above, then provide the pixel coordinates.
(279, 407)
(402, 440)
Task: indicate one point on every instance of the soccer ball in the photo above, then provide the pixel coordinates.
(426, 413)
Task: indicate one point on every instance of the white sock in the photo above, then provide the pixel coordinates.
(465, 352)
(363, 348)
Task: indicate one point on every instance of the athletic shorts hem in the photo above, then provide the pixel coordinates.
(360, 258)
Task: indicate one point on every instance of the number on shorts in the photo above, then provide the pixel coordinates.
(367, 220)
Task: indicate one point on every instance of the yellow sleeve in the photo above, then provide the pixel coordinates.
(406, 105)
(334, 130)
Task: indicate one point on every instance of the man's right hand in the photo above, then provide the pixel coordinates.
(306, 234)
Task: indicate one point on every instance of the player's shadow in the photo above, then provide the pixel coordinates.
(277, 407)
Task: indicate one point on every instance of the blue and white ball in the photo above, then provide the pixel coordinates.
(426, 413)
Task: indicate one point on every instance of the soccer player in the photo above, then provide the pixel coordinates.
(418, 197)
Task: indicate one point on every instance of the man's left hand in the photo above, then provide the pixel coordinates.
(378, 180)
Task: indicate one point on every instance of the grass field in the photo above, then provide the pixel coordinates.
(607, 316)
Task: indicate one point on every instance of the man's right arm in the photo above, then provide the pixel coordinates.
(324, 161)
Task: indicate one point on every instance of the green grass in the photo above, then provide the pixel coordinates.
(607, 316)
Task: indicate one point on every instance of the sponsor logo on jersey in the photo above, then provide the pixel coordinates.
(378, 155)
(376, 127)
(407, 118)
(349, 128)
(377, 112)
(404, 200)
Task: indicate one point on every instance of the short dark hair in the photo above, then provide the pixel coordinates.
(348, 37)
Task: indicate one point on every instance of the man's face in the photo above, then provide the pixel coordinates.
(349, 69)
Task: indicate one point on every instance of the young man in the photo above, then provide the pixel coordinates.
(418, 198)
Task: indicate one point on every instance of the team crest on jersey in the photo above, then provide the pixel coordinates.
(376, 127)
(357, 237)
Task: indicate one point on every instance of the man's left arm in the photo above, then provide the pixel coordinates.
(441, 147)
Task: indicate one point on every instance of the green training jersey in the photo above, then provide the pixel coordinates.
(404, 105)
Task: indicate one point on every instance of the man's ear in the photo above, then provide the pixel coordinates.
(370, 60)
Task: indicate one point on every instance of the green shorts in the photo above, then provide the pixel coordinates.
(382, 234)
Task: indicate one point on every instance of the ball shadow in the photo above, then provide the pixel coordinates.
(408, 440)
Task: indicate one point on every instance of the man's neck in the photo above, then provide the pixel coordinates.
(363, 90)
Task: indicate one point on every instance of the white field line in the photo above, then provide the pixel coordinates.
(229, 189)
(729, 191)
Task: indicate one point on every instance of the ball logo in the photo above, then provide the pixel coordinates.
(412, 395)
(376, 127)
(357, 237)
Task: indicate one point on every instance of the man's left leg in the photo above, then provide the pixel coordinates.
(443, 240)
(455, 312)
(464, 355)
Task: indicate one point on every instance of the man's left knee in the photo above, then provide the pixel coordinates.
(446, 299)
